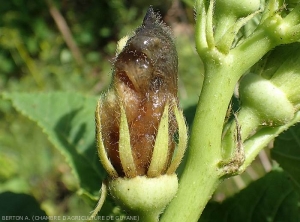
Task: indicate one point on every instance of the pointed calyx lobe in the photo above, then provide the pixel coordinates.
(144, 79)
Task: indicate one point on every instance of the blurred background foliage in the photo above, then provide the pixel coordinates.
(64, 45)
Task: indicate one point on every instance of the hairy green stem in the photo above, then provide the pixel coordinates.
(201, 175)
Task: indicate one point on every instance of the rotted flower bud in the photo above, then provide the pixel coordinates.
(142, 98)
(141, 133)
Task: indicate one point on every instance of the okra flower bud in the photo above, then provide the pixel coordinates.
(268, 101)
(274, 95)
(141, 133)
(228, 17)
(237, 8)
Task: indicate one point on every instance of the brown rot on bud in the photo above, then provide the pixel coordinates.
(142, 101)
(141, 133)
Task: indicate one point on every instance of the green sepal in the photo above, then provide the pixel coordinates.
(100, 146)
(125, 151)
(182, 142)
(209, 26)
(225, 43)
(160, 151)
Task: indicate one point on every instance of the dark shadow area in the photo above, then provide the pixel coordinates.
(90, 172)
(87, 164)
(19, 207)
(189, 114)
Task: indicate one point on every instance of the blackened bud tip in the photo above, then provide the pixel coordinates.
(151, 17)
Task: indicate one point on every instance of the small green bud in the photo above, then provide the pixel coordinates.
(229, 17)
(283, 70)
(238, 8)
(266, 99)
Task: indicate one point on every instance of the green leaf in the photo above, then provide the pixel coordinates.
(271, 198)
(286, 152)
(15, 207)
(68, 121)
